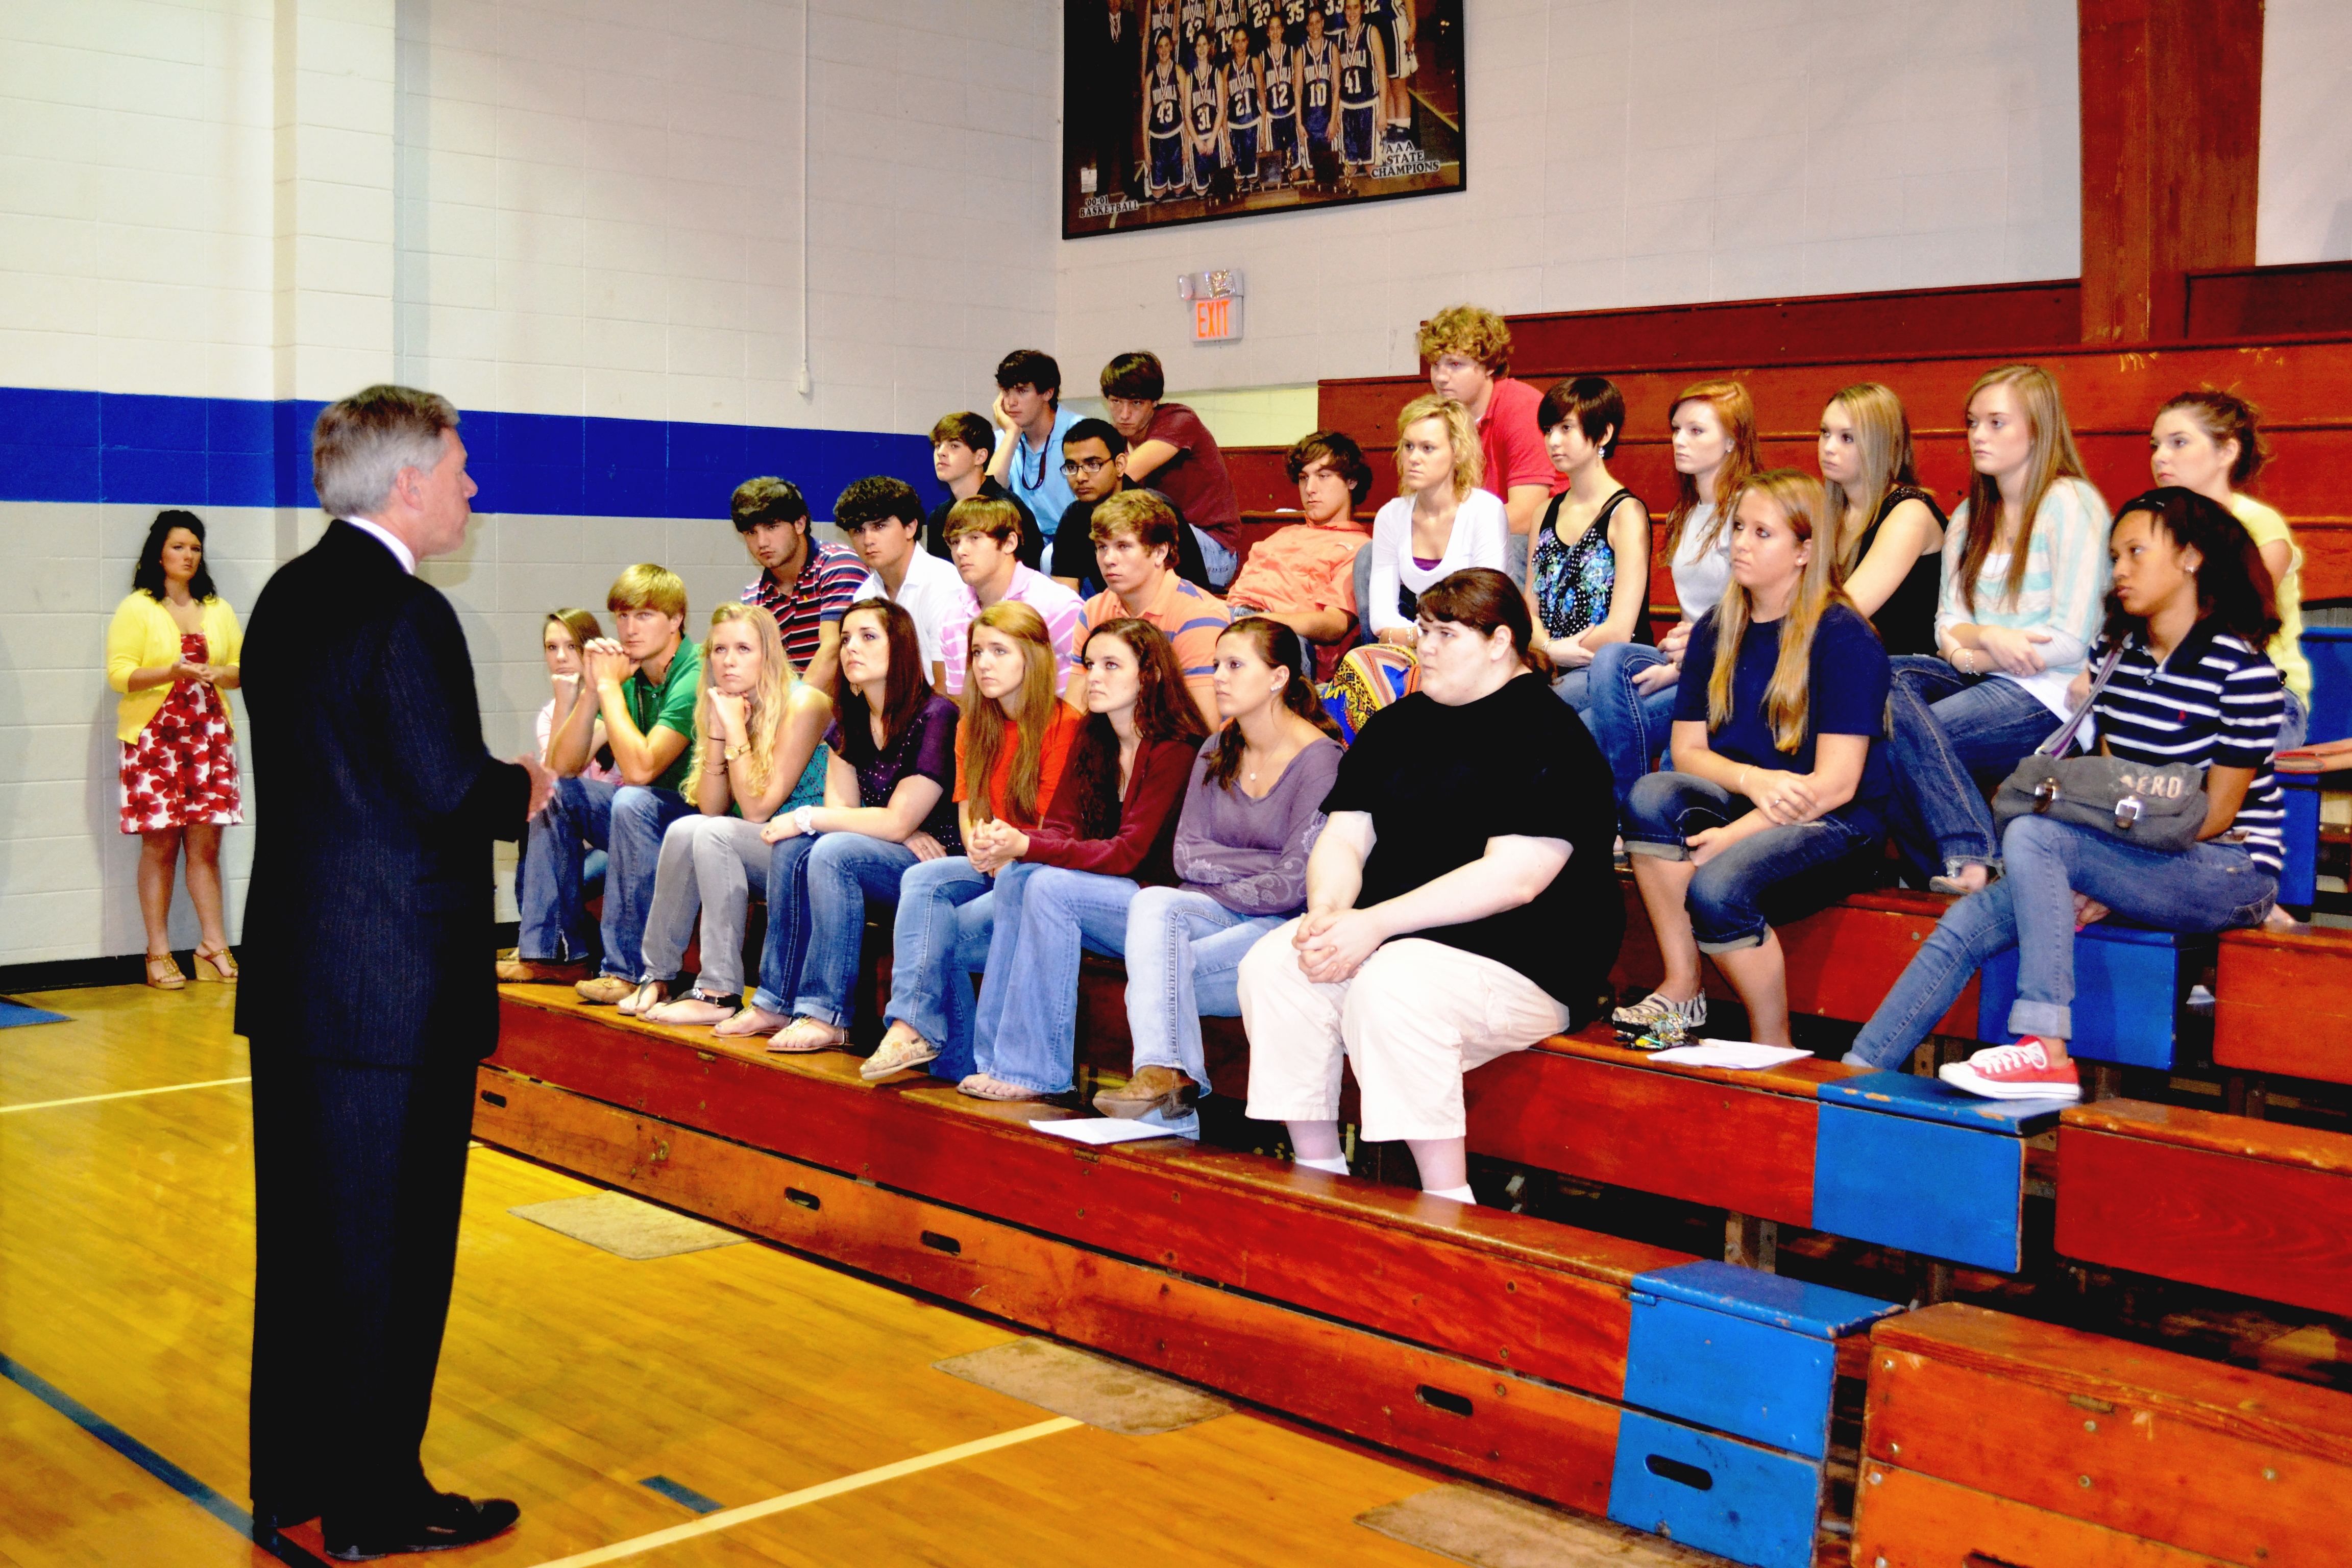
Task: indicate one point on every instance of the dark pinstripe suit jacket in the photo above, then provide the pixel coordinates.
(368, 920)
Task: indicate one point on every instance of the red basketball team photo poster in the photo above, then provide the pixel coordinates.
(1184, 111)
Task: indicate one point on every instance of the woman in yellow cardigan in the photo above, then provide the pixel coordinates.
(172, 651)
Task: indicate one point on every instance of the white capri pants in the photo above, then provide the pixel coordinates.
(1415, 1017)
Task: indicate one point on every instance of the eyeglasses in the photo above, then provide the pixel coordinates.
(1089, 467)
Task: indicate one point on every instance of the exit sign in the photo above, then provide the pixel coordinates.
(1215, 296)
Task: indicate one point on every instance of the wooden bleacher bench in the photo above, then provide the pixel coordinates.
(2252, 1207)
(2282, 1004)
(1992, 1439)
(1607, 1375)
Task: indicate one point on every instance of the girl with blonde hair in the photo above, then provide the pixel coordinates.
(2025, 575)
(1889, 532)
(1441, 522)
(1631, 690)
(1775, 805)
(758, 750)
(1012, 745)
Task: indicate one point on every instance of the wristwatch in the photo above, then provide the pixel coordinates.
(737, 749)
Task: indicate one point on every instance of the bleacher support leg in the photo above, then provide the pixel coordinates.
(2106, 1080)
(1751, 1243)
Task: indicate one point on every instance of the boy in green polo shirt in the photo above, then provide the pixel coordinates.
(647, 678)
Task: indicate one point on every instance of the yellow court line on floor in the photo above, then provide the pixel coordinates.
(123, 1094)
(749, 1511)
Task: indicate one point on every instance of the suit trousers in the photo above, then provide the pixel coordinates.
(359, 1179)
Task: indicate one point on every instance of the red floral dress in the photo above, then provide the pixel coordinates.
(182, 767)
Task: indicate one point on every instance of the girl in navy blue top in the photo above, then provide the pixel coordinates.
(2192, 610)
(1776, 804)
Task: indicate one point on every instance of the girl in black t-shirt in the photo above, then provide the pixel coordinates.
(1461, 903)
(1889, 532)
(1772, 810)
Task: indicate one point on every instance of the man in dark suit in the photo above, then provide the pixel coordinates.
(367, 992)
(1108, 80)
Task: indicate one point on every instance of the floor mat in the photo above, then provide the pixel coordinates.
(1489, 1530)
(626, 1227)
(1101, 1392)
(13, 1013)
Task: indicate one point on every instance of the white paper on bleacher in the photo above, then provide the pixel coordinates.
(1743, 1055)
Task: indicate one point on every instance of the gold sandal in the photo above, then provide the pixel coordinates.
(169, 977)
(216, 966)
(900, 1050)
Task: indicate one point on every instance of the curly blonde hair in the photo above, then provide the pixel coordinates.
(1471, 331)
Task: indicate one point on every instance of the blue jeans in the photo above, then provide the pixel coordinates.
(1950, 737)
(1632, 727)
(817, 890)
(2208, 887)
(1767, 878)
(1184, 952)
(945, 912)
(1027, 1026)
(551, 884)
(1222, 562)
(639, 816)
(1574, 686)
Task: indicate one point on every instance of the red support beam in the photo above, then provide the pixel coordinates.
(2172, 115)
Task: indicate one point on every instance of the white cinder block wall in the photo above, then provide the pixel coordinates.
(592, 207)
(580, 207)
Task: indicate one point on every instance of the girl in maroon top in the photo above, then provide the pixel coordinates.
(1110, 830)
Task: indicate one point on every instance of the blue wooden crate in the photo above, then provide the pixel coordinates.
(1752, 1504)
(2128, 987)
(1742, 1351)
(1913, 1163)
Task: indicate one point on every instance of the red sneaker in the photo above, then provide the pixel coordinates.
(2021, 1071)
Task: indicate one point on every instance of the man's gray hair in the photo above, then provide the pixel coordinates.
(360, 445)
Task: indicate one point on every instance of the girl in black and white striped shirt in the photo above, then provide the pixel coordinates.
(2192, 610)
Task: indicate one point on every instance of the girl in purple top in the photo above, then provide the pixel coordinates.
(888, 803)
(1250, 817)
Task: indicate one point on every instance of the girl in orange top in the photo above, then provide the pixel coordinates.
(1012, 748)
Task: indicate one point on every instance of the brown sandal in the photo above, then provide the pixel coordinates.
(216, 966)
(167, 978)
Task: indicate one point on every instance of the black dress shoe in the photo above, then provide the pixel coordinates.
(447, 1521)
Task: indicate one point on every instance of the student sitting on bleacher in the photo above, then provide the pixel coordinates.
(647, 678)
(1888, 532)
(1094, 461)
(1073, 875)
(2024, 566)
(1776, 804)
(1011, 749)
(757, 750)
(1630, 698)
(1461, 903)
(888, 806)
(1589, 561)
(1251, 817)
(1305, 575)
(1134, 536)
(1441, 522)
(2211, 442)
(2191, 613)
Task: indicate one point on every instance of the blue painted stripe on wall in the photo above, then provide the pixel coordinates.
(218, 451)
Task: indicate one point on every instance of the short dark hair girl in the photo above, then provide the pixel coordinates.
(905, 687)
(148, 576)
(1593, 402)
(2233, 587)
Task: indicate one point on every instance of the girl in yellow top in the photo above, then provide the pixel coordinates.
(2211, 442)
(172, 651)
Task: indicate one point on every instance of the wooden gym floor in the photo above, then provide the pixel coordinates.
(570, 1375)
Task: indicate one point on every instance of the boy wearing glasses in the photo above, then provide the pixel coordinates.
(1094, 463)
